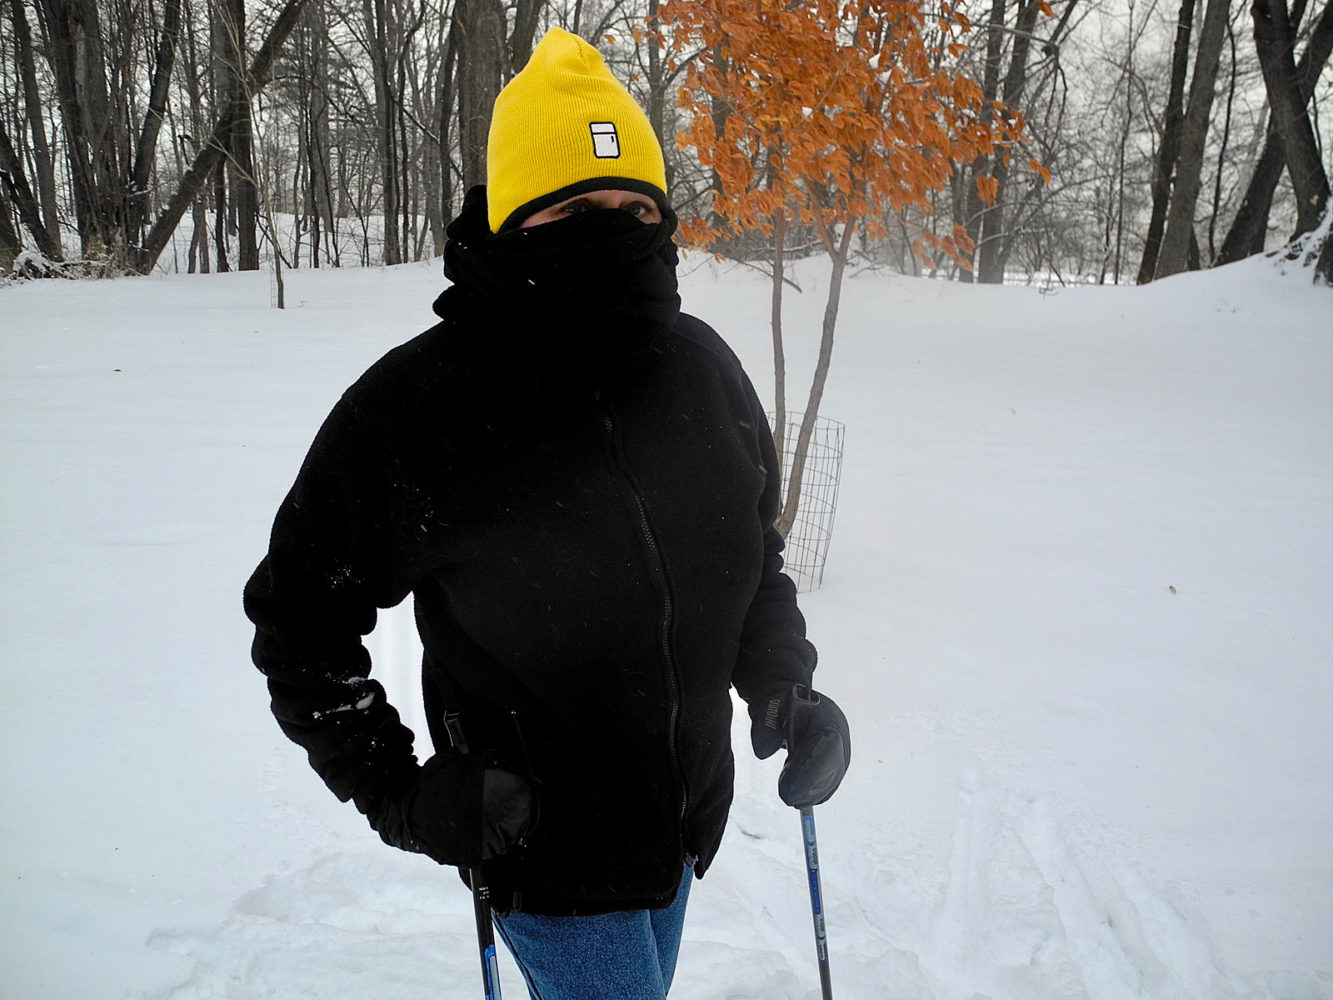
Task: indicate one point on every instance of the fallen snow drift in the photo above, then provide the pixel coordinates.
(1077, 609)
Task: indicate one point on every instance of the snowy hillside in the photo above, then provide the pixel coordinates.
(1077, 609)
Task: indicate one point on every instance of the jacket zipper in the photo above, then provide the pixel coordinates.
(666, 618)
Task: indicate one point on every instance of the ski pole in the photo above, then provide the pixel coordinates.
(481, 892)
(481, 904)
(816, 898)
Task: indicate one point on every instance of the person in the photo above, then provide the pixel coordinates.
(576, 484)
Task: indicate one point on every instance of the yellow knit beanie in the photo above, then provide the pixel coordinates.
(564, 126)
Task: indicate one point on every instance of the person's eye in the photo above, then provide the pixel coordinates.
(574, 207)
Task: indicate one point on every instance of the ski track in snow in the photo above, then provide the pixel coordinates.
(1025, 912)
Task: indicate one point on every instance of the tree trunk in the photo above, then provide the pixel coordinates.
(1223, 147)
(198, 254)
(1324, 266)
(791, 505)
(1175, 255)
(41, 149)
(719, 111)
(146, 150)
(11, 174)
(524, 34)
(303, 187)
(1118, 214)
(409, 194)
(222, 75)
(10, 247)
(98, 113)
(212, 151)
(1273, 40)
(199, 239)
(1250, 227)
(480, 25)
(377, 33)
(994, 246)
(427, 98)
(317, 141)
(657, 89)
(74, 35)
(1167, 153)
(447, 93)
(775, 322)
(976, 210)
(221, 245)
(240, 144)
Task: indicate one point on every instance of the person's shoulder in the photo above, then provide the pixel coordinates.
(403, 374)
(704, 340)
(392, 398)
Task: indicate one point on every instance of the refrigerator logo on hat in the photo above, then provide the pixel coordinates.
(605, 141)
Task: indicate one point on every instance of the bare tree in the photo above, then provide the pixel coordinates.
(73, 30)
(1273, 39)
(378, 29)
(16, 188)
(1324, 266)
(43, 164)
(239, 141)
(986, 223)
(145, 155)
(10, 245)
(213, 152)
(446, 92)
(1179, 244)
(479, 30)
(1250, 225)
(1019, 74)
(123, 115)
(1168, 150)
(197, 255)
(527, 15)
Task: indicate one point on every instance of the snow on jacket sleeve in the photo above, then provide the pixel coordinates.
(313, 598)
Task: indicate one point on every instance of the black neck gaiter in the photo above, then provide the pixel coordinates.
(575, 302)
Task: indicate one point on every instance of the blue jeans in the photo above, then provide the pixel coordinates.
(630, 955)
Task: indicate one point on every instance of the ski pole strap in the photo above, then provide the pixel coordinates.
(816, 898)
(481, 892)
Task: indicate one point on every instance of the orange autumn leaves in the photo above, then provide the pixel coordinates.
(829, 112)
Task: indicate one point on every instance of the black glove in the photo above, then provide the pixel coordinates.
(457, 811)
(508, 811)
(815, 733)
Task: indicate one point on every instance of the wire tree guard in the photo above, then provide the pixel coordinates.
(811, 532)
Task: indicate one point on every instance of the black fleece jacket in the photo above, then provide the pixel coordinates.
(592, 571)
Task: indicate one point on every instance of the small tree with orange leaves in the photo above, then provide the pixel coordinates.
(826, 113)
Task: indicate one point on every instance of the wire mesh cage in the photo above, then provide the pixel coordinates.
(812, 530)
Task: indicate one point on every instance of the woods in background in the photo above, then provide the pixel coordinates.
(1105, 142)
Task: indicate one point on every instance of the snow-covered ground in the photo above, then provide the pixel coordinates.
(1077, 609)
